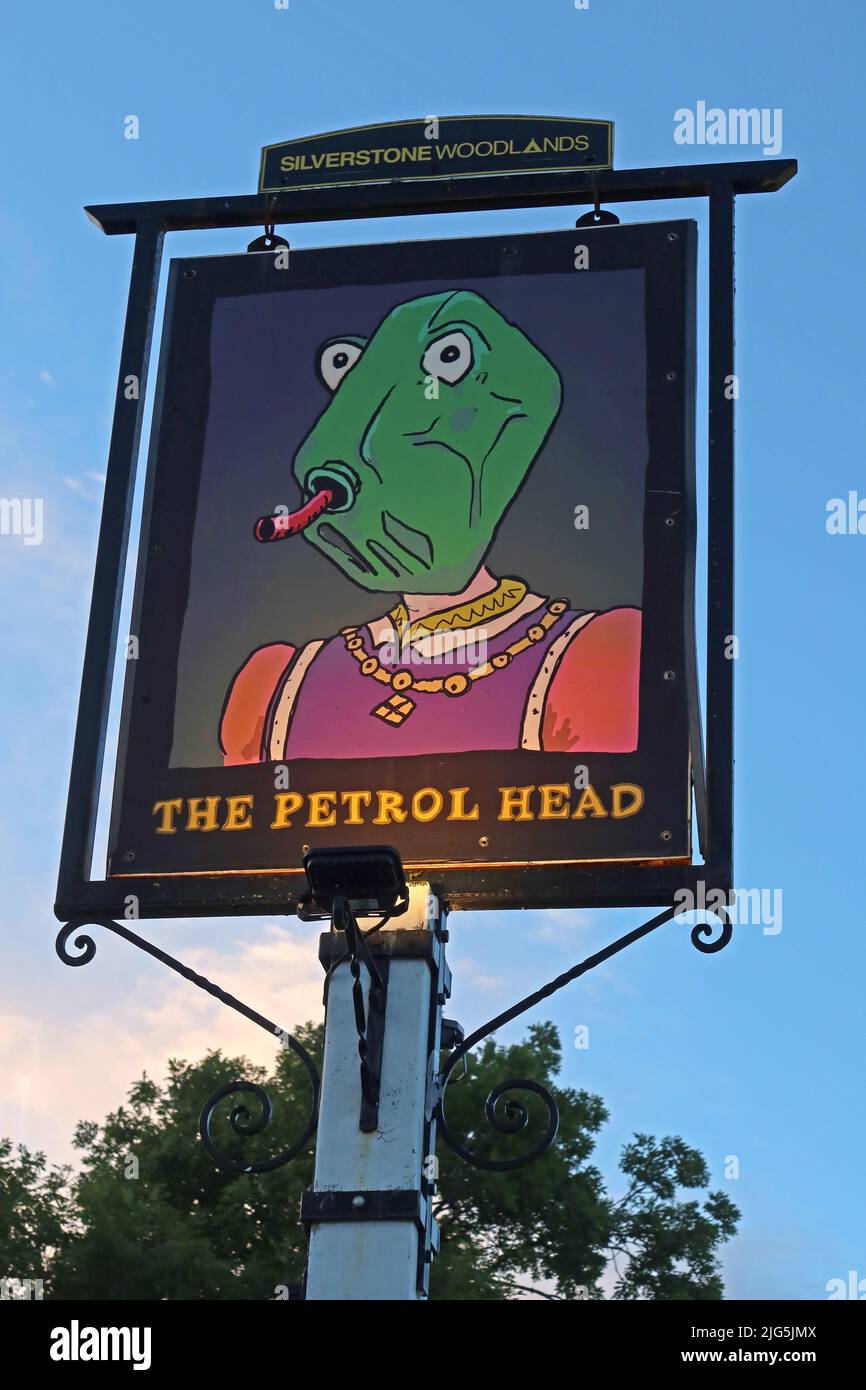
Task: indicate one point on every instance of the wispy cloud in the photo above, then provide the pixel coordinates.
(79, 1063)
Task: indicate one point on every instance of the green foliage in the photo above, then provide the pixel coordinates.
(35, 1213)
(669, 1245)
(149, 1216)
(545, 1222)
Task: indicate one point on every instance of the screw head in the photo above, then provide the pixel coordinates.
(672, 236)
(358, 1201)
(670, 675)
(484, 841)
(666, 835)
(670, 376)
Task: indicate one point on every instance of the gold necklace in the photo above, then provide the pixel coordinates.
(506, 596)
(398, 707)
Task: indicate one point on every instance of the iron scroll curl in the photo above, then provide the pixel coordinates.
(245, 1124)
(514, 1117)
(702, 933)
(242, 1120)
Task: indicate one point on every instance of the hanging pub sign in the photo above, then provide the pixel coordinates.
(436, 147)
(416, 564)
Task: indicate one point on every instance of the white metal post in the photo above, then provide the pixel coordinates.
(369, 1208)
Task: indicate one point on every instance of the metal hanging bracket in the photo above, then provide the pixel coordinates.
(269, 242)
(242, 1122)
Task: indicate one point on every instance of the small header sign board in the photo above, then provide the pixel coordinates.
(432, 147)
(416, 564)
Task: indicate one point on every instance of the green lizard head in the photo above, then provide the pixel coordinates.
(433, 425)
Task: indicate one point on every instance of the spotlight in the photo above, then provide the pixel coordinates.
(370, 877)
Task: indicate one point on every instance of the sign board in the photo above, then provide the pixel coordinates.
(416, 565)
(437, 148)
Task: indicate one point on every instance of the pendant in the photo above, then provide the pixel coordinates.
(394, 711)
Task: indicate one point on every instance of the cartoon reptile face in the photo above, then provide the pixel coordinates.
(434, 423)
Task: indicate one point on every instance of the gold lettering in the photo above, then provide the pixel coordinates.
(239, 813)
(354, 801)
(390, 809)
(554, 801)
(458, 806)
(285, 806)
(621, 789)
(167, 810)
(514, 803)
(323, 808)
(437, 802)
(201, 813)
(589, 801)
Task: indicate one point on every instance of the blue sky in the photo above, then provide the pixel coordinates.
(756, 1052)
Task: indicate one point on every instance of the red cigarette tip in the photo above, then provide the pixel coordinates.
(282, 524)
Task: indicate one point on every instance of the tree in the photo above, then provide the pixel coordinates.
(35, 1214)
(149, 1216)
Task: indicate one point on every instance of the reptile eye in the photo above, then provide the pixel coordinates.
(336, 359)
(449, 358)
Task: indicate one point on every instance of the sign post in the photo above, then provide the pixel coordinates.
(471, 654)
(369, 1212)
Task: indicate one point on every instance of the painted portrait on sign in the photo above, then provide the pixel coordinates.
(432, 426)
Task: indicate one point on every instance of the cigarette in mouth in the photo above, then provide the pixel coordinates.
(277, 527)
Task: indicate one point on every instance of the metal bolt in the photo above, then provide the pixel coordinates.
(484, 841)
(670, 376)
(358, 1201)
(672, 236)
(188, 273)
(669, 521)
(129, 855)
(670, 675)
(666, 835)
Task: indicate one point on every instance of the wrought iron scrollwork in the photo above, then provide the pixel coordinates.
(513, 1119)
(705, 929)
(240, 1118)
(86, 945)
(516, 1117)
(245, 1124)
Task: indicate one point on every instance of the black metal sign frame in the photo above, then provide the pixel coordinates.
(489, 846)
(602, 885)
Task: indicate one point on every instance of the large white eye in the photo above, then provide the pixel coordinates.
(336, 359)
(449, 358)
